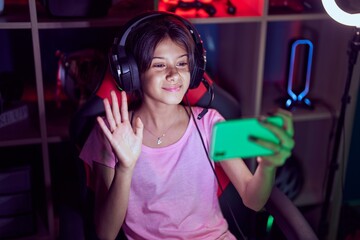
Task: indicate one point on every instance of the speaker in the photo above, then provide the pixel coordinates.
(124, 67)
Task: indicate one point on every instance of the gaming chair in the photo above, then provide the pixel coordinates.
(287, 217)
(122, 73)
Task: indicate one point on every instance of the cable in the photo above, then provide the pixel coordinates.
(353, 54)
(332, 113)
(191, 115)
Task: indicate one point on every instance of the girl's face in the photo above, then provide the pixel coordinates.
(168, 78)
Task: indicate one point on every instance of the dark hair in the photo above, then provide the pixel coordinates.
(144, 38)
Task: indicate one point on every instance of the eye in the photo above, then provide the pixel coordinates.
(182, 64)
(158, 65)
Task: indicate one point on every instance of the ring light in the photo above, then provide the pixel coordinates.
(340, 15)
(348, 19)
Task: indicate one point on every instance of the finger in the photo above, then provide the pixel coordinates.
(278, 131)
(267, 161)
(284, 112)
(288, 121)
(115, 108)
(285, 139)
(139, 128)
(124, 107)
(104, 127)
(277, 159)
(274, 147)
(109, 115)
(282, 153)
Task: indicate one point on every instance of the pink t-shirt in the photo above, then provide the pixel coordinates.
(173, 192)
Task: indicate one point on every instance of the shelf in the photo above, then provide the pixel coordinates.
(41, 232)
(31, 157)
(259, 19)
(117, 16)
(295, 7)
(274, 93)
(246, 56)
(18, 142)
(215, 9)
(14, 25)
(22, 131)
(15, 16)
(313, 156)
(297, 17)
(55, 23)
(58, 119)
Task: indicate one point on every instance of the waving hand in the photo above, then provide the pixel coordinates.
(125, 140)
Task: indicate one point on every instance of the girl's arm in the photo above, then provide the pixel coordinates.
(255, 189)
(111, 200)
(112, 185)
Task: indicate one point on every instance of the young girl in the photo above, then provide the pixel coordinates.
(152, 174)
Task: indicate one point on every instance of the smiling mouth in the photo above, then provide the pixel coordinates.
(172, 89)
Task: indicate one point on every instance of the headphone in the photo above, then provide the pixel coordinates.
(123, 65)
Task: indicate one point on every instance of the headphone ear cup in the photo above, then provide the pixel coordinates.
(134, 79)
(199, 67)
(115, 67)
(125, 71)
(129, 77)
(124, 77)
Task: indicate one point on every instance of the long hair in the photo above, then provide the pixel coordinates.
(144, 38)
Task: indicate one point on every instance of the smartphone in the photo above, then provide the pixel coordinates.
(230, 139)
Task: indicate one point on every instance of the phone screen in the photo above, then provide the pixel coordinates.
(230, 139)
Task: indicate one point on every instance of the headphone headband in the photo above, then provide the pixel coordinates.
(124, 68)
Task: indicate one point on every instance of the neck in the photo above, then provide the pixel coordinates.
(163, 126)
(159, 118)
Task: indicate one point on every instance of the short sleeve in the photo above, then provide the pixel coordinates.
(97, 149)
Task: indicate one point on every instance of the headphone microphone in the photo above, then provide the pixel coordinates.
(210, 90)
(203, 112)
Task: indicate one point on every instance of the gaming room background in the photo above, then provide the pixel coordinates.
(251, 47)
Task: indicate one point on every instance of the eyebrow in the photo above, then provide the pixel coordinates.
(177, 57)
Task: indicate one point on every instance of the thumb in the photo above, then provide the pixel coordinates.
(265, 161)
(139, 127)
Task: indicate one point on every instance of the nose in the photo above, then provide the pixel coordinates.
(172, 74)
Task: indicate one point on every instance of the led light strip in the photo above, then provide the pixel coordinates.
(300, 96)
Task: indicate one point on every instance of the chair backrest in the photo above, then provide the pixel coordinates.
(84, 118)
(287, 216)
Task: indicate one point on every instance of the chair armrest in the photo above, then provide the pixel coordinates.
(288, 217)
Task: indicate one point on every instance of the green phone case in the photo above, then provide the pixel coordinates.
(230, 139)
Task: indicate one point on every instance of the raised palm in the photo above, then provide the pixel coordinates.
(125, 140)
